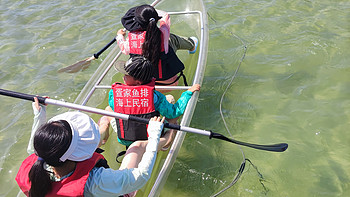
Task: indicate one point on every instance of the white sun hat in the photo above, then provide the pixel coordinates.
(85, 136)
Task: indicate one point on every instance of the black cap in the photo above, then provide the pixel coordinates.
(133, 22)
(138, 67)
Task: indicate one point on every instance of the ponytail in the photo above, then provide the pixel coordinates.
(40, 180)
(51, 141)
(147, 17)
(151, 47)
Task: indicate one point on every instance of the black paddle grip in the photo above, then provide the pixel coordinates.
(138, 119)
(21, 95)
(96, 55)
(145, 121)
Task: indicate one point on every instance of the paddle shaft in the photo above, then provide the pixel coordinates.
(49, 101)
(275, 147)
(96, 55)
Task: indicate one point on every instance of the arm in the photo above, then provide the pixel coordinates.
(109, 182)
(122, 43)
(164, 27)
(172, 111)
(111, 99)
(142, 173)
(39, 119)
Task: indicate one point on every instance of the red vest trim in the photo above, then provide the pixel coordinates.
(121, 128)
(70, 186)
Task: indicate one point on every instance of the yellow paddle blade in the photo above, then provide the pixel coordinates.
(81, 65)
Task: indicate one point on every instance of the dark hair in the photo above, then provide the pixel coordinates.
(151, 47)
(140, 68)
(51, 141)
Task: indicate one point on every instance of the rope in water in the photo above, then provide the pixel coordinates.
(242, 166)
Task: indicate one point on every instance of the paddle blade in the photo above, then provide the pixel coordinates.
(281, 147)
(81, 65)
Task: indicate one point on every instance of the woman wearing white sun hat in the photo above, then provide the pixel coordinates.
(63, 161)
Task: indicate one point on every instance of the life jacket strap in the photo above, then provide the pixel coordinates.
(121, 154)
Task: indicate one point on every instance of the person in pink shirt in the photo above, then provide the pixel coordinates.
(155, 43)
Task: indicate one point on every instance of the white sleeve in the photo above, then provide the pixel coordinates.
(39, 119)
(123, 44)
(109, 182)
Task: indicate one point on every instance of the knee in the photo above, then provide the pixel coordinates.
(173, 121)
(137, 147)
(108, 108)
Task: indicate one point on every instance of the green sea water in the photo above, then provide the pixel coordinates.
(292, 86)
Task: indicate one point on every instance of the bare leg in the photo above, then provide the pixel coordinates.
(166, 141)
(169, 137)
(134, 155)
(132, 159)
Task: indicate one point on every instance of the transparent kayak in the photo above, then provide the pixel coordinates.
(188, 18)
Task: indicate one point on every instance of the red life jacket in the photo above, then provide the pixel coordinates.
(169, 64)
(137, 101)
(70, 186)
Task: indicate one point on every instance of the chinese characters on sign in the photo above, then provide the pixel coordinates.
(136, 40)
(132, 97)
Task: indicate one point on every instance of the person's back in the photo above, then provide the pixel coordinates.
(137, 75)
(137, 101)
(65, 162)
(145, 38)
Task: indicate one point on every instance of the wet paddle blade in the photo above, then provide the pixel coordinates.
(81, 65)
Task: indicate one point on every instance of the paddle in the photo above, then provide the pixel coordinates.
(274, 147)
(83, 64)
